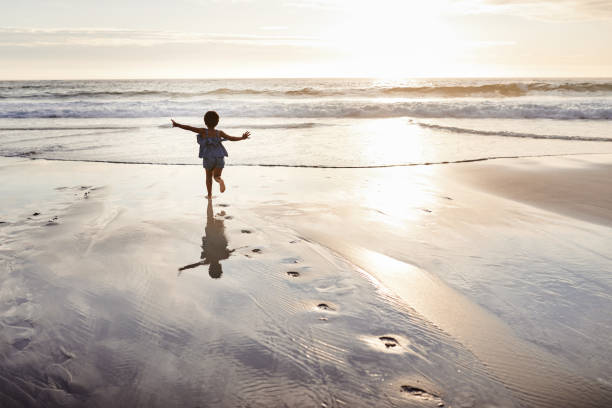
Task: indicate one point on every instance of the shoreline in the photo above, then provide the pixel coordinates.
(305, 166)
(122, 234)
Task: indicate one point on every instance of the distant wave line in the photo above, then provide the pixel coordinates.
(507, 89)
(594, 110)
(513, 89)
(502, 133)
(303, 125)
(72, 128)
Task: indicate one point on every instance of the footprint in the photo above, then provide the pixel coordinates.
(426, 210)
(223, 205)
(21, 343)
(293, 274)
(16, 321)
(421, 394)
(246, 231)
(447, 198)
(64, 355)
(412, 390)
(325, 306)
(58, 377)
(35, 214)
(256, 250)
(389, 342)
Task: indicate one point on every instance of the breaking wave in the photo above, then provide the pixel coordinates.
(502, 89)
(566, 109)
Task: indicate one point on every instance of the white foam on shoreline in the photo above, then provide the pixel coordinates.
(596, 109)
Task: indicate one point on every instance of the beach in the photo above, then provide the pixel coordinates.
(461, 285)
(306, 204)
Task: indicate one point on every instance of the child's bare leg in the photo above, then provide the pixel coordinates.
(217, 175)
(209, 178)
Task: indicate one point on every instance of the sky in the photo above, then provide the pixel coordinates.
(83, 39)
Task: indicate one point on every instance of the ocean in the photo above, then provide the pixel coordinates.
(308, 122)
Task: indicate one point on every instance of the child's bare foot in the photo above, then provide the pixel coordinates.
(221, 183)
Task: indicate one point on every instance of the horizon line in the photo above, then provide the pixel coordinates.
(302, 77)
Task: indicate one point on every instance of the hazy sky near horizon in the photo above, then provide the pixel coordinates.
(66, 39)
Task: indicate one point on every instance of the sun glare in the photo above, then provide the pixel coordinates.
(412, 39)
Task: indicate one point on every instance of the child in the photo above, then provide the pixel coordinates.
(212, 151)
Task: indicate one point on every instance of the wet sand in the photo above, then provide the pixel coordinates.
(480, 284)
(570, 186)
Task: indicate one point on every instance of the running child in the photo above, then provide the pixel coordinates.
(212, 151)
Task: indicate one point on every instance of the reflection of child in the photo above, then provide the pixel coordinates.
(214, 245)
(212, 151)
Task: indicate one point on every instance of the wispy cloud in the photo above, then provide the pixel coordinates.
(274, 28)
(317, 4)
(110, 37)
(558, 10)
(485, 44)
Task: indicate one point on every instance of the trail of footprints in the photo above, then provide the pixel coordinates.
(36, 215)
(19, 329)
(15, 313)
(20, 342)
(15, 318)
(390, 343)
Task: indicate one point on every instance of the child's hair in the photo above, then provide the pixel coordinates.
(211, 119)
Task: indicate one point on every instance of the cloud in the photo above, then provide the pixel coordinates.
(274, 28)
(486, 44)
(333, 5)
(112, 37)
(555, 10)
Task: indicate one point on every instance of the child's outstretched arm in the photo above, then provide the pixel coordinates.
(186, 127)
(245, 135)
